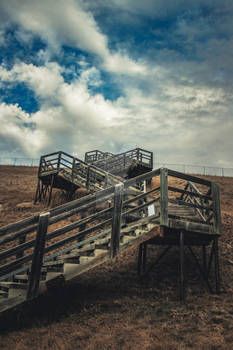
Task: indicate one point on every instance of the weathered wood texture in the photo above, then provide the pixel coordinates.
(116, 220)
(38, 254)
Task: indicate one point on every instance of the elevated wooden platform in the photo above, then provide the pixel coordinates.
(128, 164)
(63, 171)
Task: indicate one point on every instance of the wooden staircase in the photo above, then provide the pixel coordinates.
(50, 248)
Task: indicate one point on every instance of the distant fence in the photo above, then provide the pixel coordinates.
(184, 168)
(198, 169)
(19, 161)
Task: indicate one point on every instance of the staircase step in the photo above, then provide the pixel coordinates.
(3, 294)
(102, 242)
(86, 250)
(14, 285)
(140, 232)
(86, 259)
(4, 287)
(150, 226)
(54, 266)
(21, 278)
(52, 275)
(126, 239)
(71, 258)
(100, 251)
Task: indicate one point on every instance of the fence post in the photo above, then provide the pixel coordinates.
(116, 219)
(37, 260)
(164, 197)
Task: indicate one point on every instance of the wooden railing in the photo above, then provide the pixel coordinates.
(121, 161)
(76, 171)
(95, 155)
(27, 244)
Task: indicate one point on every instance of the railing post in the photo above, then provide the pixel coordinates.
(40, 166)
(59, 161)
(106, 181)
(151, 161)
(216, 207)
(73, 169)
(88, 177)
(164, 197)
(37, 260)
(116, 220)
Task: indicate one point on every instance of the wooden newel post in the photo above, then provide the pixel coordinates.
(116, 219)
(88, 177)
(37, 260)
(164, 197)
(59, 161)
(73, 169)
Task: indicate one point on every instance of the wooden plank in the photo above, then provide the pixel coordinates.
(77, 235)
(139, 178)
(81, 201)
(188, 177)
(140, 206)
(163, 197)
(140, 196)
(13, 266)
(191, 226)
(17, 249)
(18, 225)
(18, 234)
(116, 220)
(78, 223)
(38, 254)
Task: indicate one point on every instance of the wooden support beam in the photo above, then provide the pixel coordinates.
(144, 257)
(140, 259)
(216, 265)
(204, 261)
(116, 220)
(216, 207)
(51, 190)
(181, 265)
(37, 261)
(163, 197)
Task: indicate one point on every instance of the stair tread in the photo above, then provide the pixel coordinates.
(13, 285)
(3, 294)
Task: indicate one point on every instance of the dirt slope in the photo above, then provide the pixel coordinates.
(110, 307)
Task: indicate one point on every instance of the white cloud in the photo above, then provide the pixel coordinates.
(180, 123)
(67, 23)
(179, 107)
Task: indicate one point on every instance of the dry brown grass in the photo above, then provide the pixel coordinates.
(110, 307)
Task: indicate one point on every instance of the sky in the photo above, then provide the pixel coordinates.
(113, 75)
